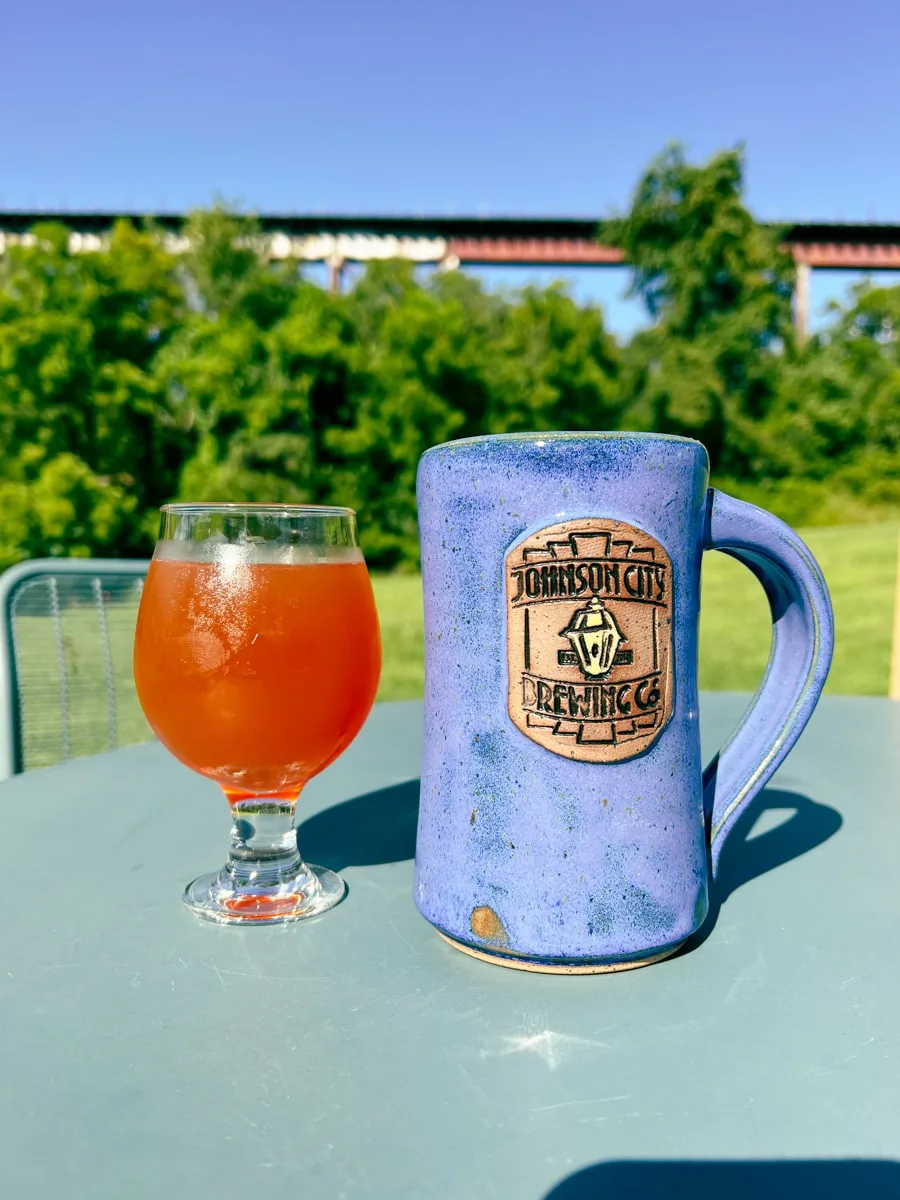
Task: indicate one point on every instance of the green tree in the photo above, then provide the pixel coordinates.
(62, 509)
(444, 359)
(554, 366)
(252, 371)
(402, 336)
(837, 416)
(718, 288)
(79, 405)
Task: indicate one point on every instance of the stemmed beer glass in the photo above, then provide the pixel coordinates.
(257, 657)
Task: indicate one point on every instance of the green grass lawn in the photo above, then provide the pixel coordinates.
(859, 563)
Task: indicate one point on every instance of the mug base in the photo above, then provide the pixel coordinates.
(546, 967)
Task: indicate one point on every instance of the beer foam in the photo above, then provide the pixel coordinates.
(251, 552)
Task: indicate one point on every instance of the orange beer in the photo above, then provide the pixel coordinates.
(257, 674)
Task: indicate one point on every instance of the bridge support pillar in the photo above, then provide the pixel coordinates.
(335, 273)
(801, 300)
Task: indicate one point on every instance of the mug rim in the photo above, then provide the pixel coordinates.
(562, 435)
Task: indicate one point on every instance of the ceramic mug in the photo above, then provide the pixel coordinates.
(565, 822)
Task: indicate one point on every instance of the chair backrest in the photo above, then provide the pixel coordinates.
(66, 682)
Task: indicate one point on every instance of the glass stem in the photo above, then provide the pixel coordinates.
(264, 850)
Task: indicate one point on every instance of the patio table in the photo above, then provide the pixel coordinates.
(144, 1053)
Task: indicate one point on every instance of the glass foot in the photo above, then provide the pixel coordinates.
(218, 898)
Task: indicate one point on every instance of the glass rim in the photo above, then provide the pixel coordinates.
(282, 510)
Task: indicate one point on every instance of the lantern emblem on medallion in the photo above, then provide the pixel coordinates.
(595, 637)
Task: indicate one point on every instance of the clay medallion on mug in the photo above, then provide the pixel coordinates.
(589, 639)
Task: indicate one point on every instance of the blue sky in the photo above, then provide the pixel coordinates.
(500, 106)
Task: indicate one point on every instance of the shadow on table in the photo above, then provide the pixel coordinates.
(379, 827)
(744, 858)
(838, 1179)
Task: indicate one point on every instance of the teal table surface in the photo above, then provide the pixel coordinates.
(144, 1053)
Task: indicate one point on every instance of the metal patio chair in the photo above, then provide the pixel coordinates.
(66, 682)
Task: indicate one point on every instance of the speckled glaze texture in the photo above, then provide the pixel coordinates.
(526, 854)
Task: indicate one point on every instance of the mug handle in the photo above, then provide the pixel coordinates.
(802, 644)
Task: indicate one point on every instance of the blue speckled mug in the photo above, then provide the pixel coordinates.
(565, 822)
